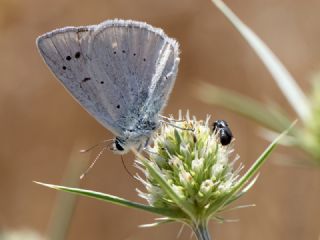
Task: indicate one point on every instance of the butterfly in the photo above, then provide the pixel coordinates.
(121, 71)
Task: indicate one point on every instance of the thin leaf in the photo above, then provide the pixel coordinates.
(279, 114)
(250, 185)
(115, 200)
(287, 140)
(240, 104)
(239, 207)
(258, 163)
(284, 160)
(183, 205)
(242, 192)
(282, 77)
(155, 224)
(223, 220)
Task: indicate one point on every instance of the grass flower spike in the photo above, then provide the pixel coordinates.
(187, 174)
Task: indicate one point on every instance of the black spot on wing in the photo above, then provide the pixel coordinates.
(77, 54)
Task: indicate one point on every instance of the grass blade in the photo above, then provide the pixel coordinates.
(242, 105)
(115, 200)
(258, 163)
(282, 77)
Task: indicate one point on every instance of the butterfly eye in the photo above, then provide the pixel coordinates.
(118, 145)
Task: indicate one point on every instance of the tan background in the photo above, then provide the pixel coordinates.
(41, 123)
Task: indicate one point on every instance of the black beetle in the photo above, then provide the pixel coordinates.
(221, 127)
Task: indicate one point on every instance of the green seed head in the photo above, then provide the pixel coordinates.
(193, 163)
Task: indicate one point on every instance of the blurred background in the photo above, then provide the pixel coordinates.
(42, 127)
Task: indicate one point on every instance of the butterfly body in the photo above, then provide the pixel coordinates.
(121, 71)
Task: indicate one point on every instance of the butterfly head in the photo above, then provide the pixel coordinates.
(119, 146)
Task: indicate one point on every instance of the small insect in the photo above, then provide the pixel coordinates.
(221, 127)
(121, 71)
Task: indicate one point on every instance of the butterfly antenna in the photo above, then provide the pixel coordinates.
(94, 146)
(93, 162)
(125, 167)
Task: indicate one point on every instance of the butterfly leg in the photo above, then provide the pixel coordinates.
(143, 146)
(170, 119)
(147, 142)
(173, 125)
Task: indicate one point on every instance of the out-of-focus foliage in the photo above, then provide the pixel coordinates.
(272, 117)
(22, 234)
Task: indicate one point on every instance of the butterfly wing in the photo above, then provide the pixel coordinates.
(137, 65)
(163, 79)
(119, 71)
(65, 51)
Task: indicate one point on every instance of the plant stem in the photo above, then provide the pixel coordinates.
(201, 231)
(65, 204)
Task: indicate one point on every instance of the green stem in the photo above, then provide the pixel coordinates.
(201, 231)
